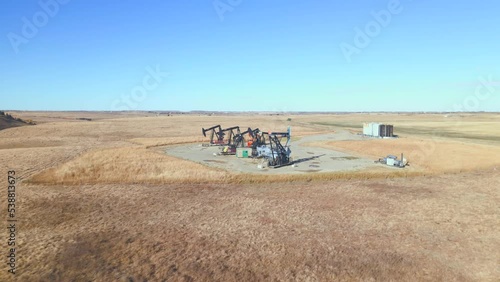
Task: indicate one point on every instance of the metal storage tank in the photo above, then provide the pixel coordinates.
(382, 130)
(367, 130)
(378, 130)
(390, 130)
(375, 129)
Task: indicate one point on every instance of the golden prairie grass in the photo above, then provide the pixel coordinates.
(473, 128)
(141, 165)
(165, 141)
(128, 165)
(440, 228)
(322, 176)
(135, 164)
(431, 156)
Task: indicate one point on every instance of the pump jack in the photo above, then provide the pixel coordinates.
(216, 135)
(237, 141)
(232, 131)
(268, 145)
(277, 154)
(258, 138)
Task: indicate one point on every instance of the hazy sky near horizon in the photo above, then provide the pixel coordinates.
(250, 55)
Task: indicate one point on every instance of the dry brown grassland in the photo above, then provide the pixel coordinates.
(100, 201)
(135, 164)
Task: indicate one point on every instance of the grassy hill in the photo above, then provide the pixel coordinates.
(7, 121)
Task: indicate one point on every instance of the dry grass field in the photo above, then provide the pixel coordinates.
(426, 155)
(128, 165)
(100, 201)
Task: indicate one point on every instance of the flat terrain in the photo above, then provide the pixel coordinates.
(102, 198)
(307, 159)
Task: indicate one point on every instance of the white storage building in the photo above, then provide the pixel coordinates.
(371, 129)
(376, 129)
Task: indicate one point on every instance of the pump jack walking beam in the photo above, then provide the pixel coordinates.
(232, 131)
(216, 134)
(239, 138)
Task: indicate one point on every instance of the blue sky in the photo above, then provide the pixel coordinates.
(250, 55)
